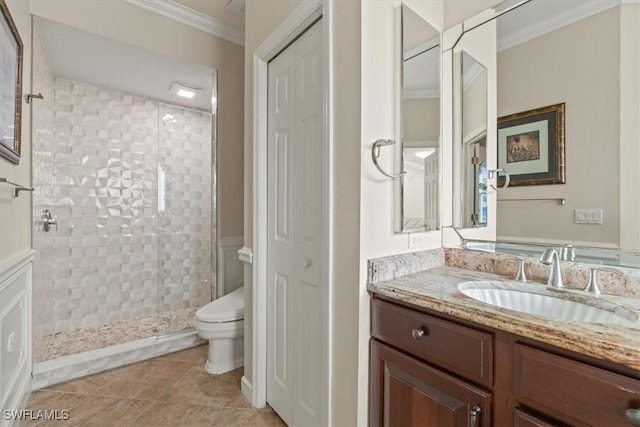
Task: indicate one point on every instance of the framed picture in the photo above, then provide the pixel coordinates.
(531, 146)
(10, 87)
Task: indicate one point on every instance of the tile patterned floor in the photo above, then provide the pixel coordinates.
(172, 390)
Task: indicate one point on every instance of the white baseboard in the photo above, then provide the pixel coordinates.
(247, 388)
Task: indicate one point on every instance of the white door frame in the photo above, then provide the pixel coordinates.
(294, 25)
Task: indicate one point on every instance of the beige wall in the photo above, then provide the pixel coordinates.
(561, 67)
(421, 119)
(15, 213)
(148, 30)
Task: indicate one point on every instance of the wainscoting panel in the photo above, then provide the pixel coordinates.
(15, 332)
(230, 268)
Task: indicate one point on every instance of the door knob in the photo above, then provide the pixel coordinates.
(307, 263)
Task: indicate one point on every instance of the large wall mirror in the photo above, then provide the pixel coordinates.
(576, 62)
(417, 191)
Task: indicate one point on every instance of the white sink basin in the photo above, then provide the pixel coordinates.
(544, 305)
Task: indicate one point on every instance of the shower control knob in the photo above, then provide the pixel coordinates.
(307, 263)
(48, 220)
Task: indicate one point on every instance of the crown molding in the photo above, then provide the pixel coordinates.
(585, 10)
(195, 19)
(236, 6)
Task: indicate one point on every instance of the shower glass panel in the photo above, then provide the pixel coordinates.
(186, 220)
(43, 158)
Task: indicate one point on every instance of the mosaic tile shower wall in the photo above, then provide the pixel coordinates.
(121, 252)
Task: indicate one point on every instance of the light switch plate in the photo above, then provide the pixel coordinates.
(588, 216)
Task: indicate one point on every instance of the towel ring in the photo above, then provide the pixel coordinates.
(375, 154)
(507, 178)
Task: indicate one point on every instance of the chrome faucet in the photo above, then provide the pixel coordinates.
(550, 257)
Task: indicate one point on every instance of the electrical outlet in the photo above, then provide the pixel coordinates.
(415, 241)
(588, 216)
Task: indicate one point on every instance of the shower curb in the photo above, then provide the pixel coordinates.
(74, 366)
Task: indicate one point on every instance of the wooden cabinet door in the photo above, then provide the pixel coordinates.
(407, 392)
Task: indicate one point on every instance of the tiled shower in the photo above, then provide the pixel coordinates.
(130, 182)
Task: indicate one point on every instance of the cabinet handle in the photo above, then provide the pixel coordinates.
(474, 416)
(418, 333)
(633, 416)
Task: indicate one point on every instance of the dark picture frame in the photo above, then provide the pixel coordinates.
(531, 146)
(10, 87)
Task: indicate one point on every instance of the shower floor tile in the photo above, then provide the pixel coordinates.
(81, 340)
(171, 390)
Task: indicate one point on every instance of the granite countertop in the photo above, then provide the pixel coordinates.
(437, 289)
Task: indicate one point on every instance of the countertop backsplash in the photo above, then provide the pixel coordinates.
(394, 266)
(575, 275)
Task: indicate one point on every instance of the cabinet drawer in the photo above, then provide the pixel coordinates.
(522, 419)
(572, 391)
(462, 350)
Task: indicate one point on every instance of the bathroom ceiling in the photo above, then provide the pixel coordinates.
(85, 57)
(229, 12)
(537, 18)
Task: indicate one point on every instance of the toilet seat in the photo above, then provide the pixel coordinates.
(229, 308)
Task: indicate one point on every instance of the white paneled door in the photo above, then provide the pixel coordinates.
(296, 288)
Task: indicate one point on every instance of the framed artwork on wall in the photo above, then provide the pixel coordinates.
(531, 146)
(10, 87)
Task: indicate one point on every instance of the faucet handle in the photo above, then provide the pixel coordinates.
(520, 275)
(592, 285)
(567, 253)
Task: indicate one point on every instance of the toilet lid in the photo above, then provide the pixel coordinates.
(228, 308)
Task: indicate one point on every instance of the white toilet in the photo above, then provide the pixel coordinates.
(222, 323)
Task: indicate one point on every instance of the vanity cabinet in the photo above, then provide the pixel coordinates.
(574, 392)
(432, 384)
(431, 369)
